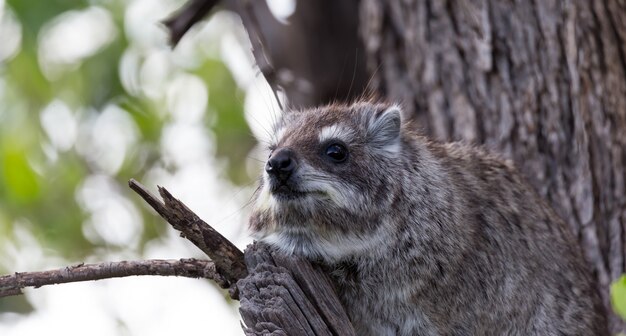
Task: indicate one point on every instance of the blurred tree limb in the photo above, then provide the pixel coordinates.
(195, 10)
(181, 21)
(314, 56)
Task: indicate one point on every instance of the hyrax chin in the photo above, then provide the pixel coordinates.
(421, 238)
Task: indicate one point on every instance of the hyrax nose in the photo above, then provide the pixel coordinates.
(281, 164)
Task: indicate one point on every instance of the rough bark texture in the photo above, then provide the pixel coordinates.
(227, 257)
(288, 296)
(543, 82)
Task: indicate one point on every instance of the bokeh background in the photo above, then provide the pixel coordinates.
(91, 95)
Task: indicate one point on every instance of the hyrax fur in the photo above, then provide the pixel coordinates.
(421, 238)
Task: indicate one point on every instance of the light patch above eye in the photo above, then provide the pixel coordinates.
(338, 132)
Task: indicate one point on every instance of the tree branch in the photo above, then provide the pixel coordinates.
(257, 39)
(191, 268)
(228, 259)
(181, 21)
(194, 10)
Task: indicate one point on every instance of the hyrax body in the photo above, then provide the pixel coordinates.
(421, 238)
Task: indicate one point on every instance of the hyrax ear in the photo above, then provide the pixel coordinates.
(384, 129)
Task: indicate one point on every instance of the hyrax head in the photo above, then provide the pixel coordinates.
(329, 180)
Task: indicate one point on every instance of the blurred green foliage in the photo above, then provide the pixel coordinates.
(39, 182)
(618, 296)
(229, 112)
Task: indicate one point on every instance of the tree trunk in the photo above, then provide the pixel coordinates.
(543, 82)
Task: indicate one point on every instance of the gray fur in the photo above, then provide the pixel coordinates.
(426, 238)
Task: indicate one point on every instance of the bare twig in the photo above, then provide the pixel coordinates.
(257, 39)
(194, 10)
(227, 257)
(191, 268)
(181, 21)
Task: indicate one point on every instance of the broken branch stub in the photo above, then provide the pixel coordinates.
(288, 295)
(227, 257)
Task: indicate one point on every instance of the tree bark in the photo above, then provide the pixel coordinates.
(543, 82)
(288, 296)
(228, 259)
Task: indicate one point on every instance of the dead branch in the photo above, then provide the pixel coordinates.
(194, 10)
(227, 257)
(257, 39)
(191, 268)
(181, 21)
(283, 294)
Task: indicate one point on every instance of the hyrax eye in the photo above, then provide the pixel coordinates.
(336, 152)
